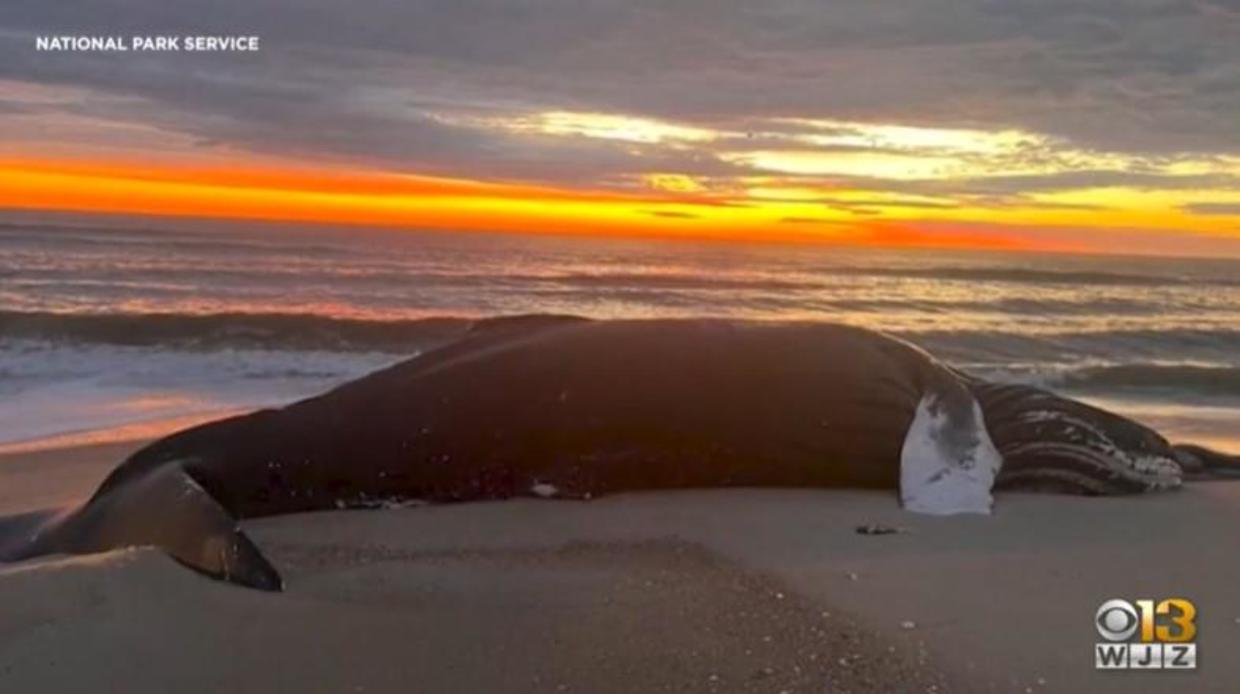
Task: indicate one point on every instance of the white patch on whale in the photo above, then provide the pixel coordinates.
(947, 467)
(544, 490)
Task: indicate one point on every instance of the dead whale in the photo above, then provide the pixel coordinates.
(566, 407)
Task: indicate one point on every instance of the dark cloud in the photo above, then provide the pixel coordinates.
(397, 83)
(671, 214)
(1071, 180)
(1222, 208)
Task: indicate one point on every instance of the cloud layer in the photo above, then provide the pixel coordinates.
(1000, 101)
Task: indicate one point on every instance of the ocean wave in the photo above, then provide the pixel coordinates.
(1214, 380)
(50, 389)
(660, 280)
(233, 330)
(1148, 378)
(61, 371)
(1033, 276)
(1124, 345)
(380, 275)
(308, 331)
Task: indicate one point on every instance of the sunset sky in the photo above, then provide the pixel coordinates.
(1039, 124)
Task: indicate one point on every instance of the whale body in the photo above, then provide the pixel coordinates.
(564, 407)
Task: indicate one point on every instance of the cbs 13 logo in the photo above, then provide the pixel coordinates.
(1146, 635)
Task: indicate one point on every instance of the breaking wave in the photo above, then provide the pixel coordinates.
(275, 331)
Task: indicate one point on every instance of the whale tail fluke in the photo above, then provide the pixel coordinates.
(1201, 463)
(166, 508)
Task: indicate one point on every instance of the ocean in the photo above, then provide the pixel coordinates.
(112, 330)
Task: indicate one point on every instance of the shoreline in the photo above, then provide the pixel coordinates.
(1000, 603)
(56, 477)
(143, 429)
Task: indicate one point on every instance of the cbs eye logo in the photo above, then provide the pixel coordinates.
(1145, 635)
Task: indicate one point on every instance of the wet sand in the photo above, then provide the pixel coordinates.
(713, 590)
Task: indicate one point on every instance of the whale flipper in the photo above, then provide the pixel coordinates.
(948, 462)
(166, 508)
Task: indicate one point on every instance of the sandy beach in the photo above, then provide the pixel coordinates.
(712, 591)
(622, 347)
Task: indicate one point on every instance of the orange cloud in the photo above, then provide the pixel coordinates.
(269, 192)
(313, 195)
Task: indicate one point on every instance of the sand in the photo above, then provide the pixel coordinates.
(697, 591)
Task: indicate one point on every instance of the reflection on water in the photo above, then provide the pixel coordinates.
(135, 431)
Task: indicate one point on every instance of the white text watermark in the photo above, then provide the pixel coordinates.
(185, 43)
